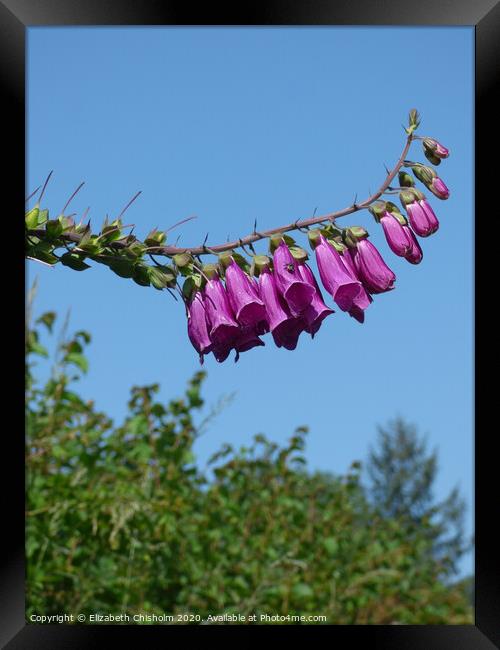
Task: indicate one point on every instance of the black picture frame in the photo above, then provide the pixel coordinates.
(484, 16)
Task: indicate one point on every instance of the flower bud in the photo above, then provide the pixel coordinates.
(405, 180)
(424, 174)
(435, 148)
(439, 189)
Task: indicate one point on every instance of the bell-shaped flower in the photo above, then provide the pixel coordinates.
(223, 327)
(374, 273)
(363, 299)
(197, 325)
(422, 218)
(317, 311)
(285, 327)
(246, 340)
(395, 234)
(297, 293)
(243, 296)
(430, 144)
(415, 255)
(336, 279)
(286, 334)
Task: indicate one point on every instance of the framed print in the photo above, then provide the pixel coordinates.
(286, 432)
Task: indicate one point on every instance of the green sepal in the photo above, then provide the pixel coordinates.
(423, 173)
(314, 237)
(299, 253)
(124, 268)
(74, 262)
(54, 228)
(435, 160)
(396, 213)
(211, 271)
(161, 277)
(141, 275)
(134, 250)
(31, 218)
(377, 210)
(155, 238)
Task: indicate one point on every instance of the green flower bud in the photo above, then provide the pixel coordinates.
(423, 173)
(431, 157)
(299, 253)
(405, 180)
(182, 260)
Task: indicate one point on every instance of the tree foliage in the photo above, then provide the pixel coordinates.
(402, 474)
(122, 519)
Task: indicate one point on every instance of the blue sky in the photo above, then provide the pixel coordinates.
(238, 124)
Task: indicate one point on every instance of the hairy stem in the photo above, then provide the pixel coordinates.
(255, 236)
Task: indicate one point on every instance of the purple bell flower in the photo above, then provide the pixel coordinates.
(337, 280)
(395, 234)
(246, 340)
(297, 293)
(223, 327)
(317, 311)
(422, 218)
(374, 273)
(284, 327)
(197, 325)
(363, 299)
(415, 255)
(243, 296)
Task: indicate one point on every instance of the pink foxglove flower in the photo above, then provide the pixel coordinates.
(297, 293)
(422, 218)
(317, 311)
(285, 328)
(223, 327)
(334, 275)
(374, 273)
(197, 325)
(363, 299)
(415, 255)
(243, 296)
(395, 234)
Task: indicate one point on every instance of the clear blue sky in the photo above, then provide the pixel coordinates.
(233, 124)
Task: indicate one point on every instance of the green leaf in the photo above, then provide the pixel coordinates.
(78, 360)
(47, 319)
(331, 545)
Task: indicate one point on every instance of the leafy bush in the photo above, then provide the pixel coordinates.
(120, 519)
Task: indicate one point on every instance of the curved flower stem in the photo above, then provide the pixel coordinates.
(256, 236)
(170, 251)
